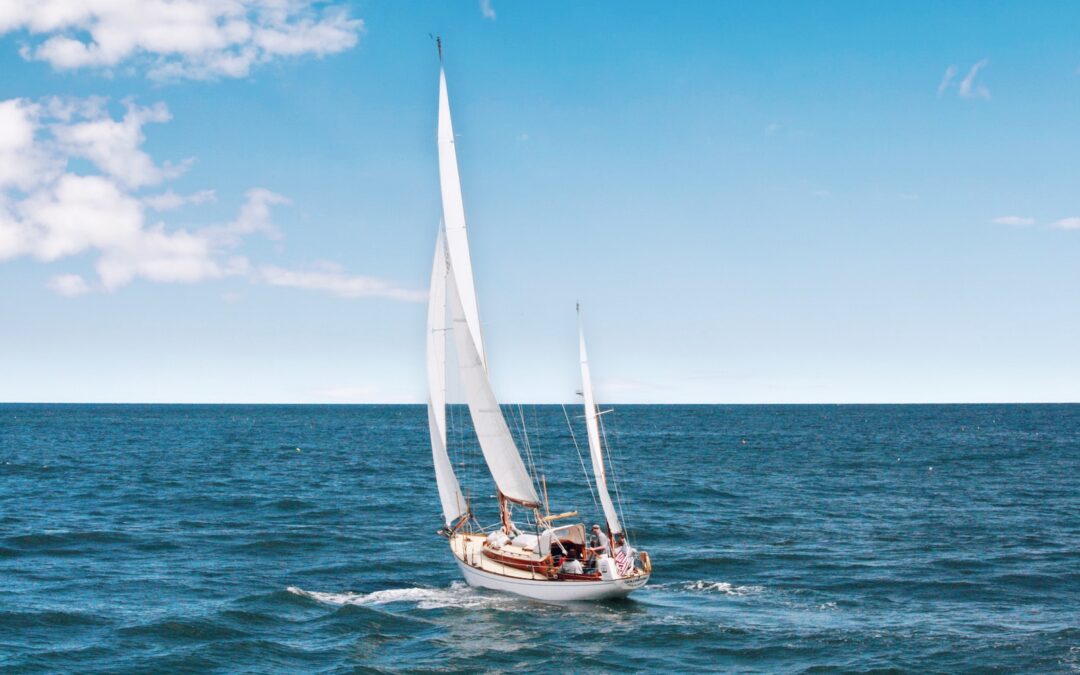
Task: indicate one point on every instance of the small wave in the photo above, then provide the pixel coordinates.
(458, 595)
(722, 587)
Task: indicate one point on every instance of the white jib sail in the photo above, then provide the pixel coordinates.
(453, 504)
(596, 449)
(500, 452)
(457, 241)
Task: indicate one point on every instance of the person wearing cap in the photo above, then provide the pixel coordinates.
(599, 542)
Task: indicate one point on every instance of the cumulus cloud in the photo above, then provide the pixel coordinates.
(967, 87)
(331, 279)
(50, 212)
(177, 38)
(487, 10)
(1071, 223)
(1015, 221)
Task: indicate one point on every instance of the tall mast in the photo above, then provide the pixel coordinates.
(592, 424)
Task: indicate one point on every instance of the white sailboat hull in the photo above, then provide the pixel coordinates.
(481, 572)
(553, 591)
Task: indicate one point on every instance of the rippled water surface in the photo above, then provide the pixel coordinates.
(302, 538)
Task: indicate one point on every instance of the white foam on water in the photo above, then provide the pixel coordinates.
(722, 587)
(458, 595)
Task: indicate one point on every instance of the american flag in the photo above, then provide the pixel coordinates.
(623, 561)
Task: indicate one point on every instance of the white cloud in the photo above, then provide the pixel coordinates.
(487, 10)
(49, 212)
(178, 38)
(968, 87)
(332, 280)
(169, 200)
(1015, 221)
(69, 285)
(114, 146)
(1071, 223)
(946, 80)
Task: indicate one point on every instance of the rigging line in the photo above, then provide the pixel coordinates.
(614, 474)
(539, 448)
(523, 437)
(619, 454)
(528, 448)
(581, 459)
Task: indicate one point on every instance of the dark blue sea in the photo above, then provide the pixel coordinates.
(303, 539)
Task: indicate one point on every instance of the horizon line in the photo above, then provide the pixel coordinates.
(538, 403)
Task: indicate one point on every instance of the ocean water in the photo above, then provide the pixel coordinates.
(302, 538)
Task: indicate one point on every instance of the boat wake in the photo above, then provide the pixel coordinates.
(720, 587)
(458, 596)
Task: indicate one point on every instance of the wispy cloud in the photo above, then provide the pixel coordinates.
(178, 38)
(946, 80)
(50, 212)
(69, 285)
(1070, 223)
(331, 279)
(968, 87)
(170, 201)
(1015, 221)
(487, 10)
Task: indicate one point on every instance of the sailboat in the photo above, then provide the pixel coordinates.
(534, 556)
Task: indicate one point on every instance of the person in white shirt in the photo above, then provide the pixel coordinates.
(571, 565)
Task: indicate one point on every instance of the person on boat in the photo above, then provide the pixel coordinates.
(624, 554)
(571, 565)
(599, 542)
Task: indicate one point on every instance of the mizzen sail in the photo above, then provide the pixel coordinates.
(596, 449)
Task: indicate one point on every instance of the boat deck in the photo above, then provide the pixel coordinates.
(469, 548)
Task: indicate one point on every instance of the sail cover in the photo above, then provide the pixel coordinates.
(496, 443)
(457, 240)
(453, 504)
(596, 450)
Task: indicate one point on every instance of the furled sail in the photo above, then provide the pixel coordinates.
(457, 240)
(453, 504)
(596, 450)
(496, 443)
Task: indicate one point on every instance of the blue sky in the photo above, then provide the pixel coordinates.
(789, 202)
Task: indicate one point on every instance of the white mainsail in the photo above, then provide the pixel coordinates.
(596, 449)
(457, 241)
(453, 504)
(496, 443)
